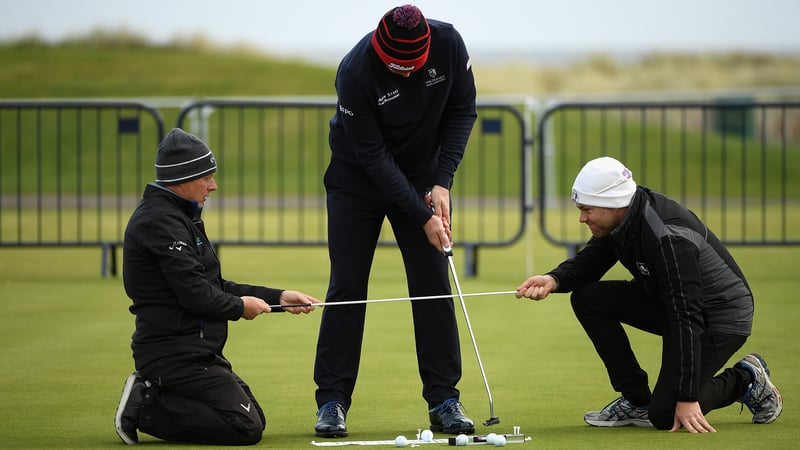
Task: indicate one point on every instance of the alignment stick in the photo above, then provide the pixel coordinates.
(398, 299)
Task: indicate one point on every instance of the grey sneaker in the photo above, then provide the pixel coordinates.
(619, 413)
(762, 398)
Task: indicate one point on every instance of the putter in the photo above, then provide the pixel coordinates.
(492, 420)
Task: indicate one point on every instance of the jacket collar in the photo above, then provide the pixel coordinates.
(618, 233)
(188, 207)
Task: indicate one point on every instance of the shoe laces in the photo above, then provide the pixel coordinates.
(754, 397)
(617, 404)
(450, 406)
(621, 406)
(331, 409)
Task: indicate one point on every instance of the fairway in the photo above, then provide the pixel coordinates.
(67, 334)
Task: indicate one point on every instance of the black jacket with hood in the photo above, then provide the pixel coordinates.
(171, 272)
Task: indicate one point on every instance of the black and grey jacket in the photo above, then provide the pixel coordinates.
(678, 261)
(171, 272)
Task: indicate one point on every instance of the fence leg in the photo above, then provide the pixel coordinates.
(104, 260)
(572, 249)
(471, 260)
(113, 260)
(108, 260)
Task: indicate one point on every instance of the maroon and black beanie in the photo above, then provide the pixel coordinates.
(402, 39)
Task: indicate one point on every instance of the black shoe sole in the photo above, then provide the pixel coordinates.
(460, 430)
(331, 434)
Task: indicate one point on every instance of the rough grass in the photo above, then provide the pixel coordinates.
(122, 64)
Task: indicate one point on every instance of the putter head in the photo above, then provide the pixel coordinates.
(491, 421)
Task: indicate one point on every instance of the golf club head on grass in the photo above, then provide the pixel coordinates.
(491, 421)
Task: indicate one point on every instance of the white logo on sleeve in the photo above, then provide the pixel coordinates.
(246, 408)
(177, 245)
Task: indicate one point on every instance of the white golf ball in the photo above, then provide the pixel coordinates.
(400, 441)
(500, 441)
(426, 436)
(490, 438)
(461, 440)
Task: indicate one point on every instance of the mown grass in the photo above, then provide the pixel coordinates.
(66, 335)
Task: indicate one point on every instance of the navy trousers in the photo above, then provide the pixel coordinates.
(356, 212)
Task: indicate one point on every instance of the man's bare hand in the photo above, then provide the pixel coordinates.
(254, 306)
(690, 416)
(537, 287)
(297, 298)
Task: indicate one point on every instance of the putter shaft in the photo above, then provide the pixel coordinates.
(492, 420)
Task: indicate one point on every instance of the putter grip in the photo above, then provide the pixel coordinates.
(448, 250)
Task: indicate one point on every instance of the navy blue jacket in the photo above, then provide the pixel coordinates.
(680, 262)
(171, 272)
(406, 133)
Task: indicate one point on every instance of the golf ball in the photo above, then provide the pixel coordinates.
(490, 438)
(400, 441)
(461, 440)
(426, 436)
(500, 441)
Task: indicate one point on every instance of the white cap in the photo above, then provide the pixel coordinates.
(604, 182)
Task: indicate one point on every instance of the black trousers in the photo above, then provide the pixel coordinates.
(356, 211)
(602, 307)
(198, 399)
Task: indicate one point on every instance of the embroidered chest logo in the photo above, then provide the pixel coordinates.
(435, 78)
(643, 268)
(389, 96)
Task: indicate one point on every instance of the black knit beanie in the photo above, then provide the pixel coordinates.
(183, 157)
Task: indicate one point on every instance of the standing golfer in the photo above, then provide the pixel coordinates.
(406, 107)
(184, 389)
(686, 288)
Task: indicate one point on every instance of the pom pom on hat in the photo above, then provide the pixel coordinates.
(402, 39)
(604, 182)
(182, 157)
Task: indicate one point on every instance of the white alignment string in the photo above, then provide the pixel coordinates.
(397, 299)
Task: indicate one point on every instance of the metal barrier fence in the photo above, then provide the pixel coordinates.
(72, 171)
(735, 164)
(272, 156)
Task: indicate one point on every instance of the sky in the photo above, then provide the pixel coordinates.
(325, 30)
